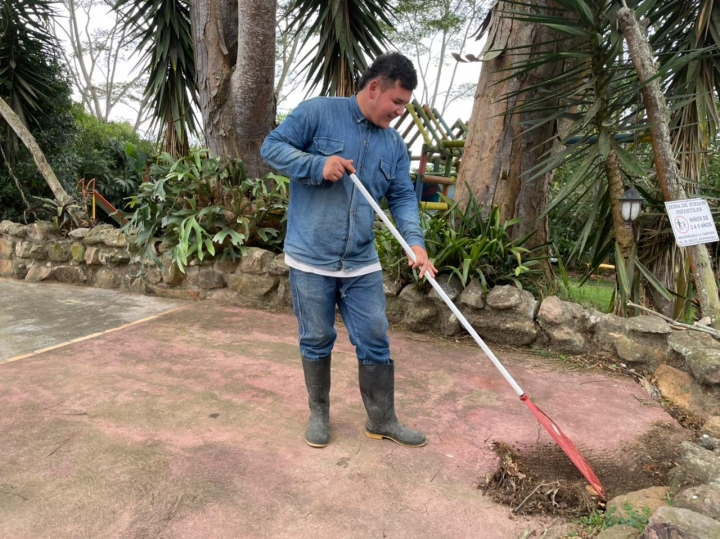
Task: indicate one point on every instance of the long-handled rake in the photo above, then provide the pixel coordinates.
(558, 435)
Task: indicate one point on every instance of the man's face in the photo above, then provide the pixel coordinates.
(386, 105)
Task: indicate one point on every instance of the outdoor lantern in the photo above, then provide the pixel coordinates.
(630, 204)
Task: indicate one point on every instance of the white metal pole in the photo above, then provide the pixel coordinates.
(437, 287)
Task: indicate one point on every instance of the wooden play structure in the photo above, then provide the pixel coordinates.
(440, 152)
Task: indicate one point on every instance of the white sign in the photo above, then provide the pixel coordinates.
(691, 221)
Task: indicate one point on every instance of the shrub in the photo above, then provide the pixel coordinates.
(200, 206)
(464, 243)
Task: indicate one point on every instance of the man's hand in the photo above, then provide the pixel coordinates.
(421, 261)
(335, 167)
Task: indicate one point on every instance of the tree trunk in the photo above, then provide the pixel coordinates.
(665, 165)
(253, 83)
(497, 153)
(24, 134)
(235, 76)
(215, 29)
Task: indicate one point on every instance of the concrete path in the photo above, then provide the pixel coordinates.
(190, 425)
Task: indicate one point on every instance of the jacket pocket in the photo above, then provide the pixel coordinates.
(387, 168)
(328, 146)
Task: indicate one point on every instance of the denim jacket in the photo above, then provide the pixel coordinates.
(330, 224)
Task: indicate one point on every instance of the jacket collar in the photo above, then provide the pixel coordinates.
(358, 115)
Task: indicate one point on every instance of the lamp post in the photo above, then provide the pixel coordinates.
(630, 204)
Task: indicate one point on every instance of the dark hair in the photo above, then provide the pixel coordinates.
(388, 68)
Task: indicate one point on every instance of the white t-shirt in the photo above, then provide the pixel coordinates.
(327, 273)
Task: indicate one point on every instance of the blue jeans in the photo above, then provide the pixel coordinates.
(361, 301)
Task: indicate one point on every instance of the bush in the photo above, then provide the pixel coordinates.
(112, 154)
(200, 206)
(466, 244)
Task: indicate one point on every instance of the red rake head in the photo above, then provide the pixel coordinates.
(566, 445)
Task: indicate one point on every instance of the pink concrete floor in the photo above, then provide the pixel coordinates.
(191, 426)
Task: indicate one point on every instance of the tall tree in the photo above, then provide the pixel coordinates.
(26, 50)
(500, 152)
(599, 95)
(95, 55)
(162, 29)
(430, 31)
(235, 67)
(348, 33)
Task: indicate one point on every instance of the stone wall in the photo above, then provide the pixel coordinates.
(101, 257)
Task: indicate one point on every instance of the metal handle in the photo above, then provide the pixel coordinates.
(437, 287)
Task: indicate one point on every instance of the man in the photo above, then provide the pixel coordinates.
(329, 245)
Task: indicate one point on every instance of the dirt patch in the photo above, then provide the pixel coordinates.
(542, 480)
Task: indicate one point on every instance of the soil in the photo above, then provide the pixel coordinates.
(542, 480)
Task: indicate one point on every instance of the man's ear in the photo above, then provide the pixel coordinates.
(373, 87)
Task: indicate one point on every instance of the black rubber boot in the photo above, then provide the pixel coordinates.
(377, 386)
(317, 381)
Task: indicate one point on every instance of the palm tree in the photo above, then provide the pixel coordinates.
(26, 51)
(165, 42)
(349, 32)
(29, 82)
(232, 59)
(595, 102)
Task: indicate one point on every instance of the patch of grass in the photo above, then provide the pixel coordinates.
(595, 294)
(591, 525)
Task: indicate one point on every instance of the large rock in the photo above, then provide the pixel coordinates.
(395, 309)
(171, 274)
(450, 284)
(678, 387)
(473, 295)
(23, 248)
(640, 501)
(21, 267)
(13, 229)
(619, 532)
(205, 277)
(412, 294)
(92, 255)
(40, 231)
(176, 292)
(69, 274)
(703, 499)
(107, 277)
(701, 354)
(7, 247)
(712, 427)
(226, 266)
(256, 261)
(560, 320)
(701, 464)
(252, 286)
(648, 324)
(638, 350)
(605, 329)
(57, 251)
(391, 286)
(644, 341)
(508, 317)
(421, 317)
(678, 523)
(109, 256)
(38, 272)
(107, 235)
(510, 298)
(278, 266)
(6, 268)
(79, 233)
(77, 250)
